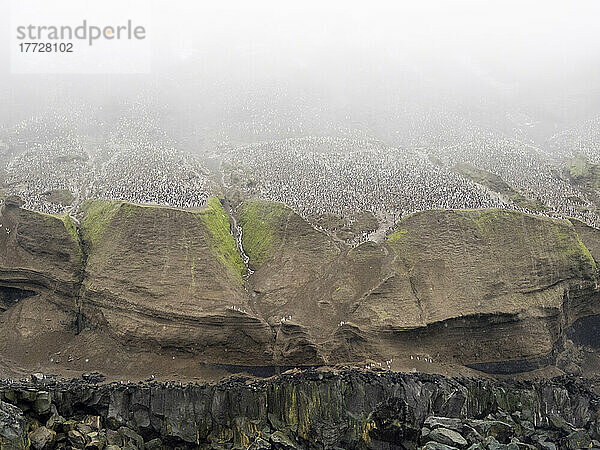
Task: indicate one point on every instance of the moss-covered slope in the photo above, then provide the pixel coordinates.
(290, 259)
(167, 277)
(261, 222)
(217, 222)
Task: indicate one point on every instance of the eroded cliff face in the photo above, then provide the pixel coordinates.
(39, 252)
(484, 286)
(160, 277)
(306, 410)
(492, 290)
(41, 269)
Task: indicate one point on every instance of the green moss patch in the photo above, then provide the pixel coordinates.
(572, 246)
(217, 222)
(259, 221)
(397, 236)
(97, 217)
(72, 230)
(487, 220)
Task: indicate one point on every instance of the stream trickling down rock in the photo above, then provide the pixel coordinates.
(236, 232)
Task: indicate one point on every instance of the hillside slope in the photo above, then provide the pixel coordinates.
(493, 289)
(159, 277)
(483, 286)
(145, 290)
(41, 268)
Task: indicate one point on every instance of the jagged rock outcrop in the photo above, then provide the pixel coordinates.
(13, 435)
(13, 201)
(317, 410)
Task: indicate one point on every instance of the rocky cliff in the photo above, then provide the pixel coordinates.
(165, 278)
(41, 268)
(303, 410)
(492, 289)
(152, 290)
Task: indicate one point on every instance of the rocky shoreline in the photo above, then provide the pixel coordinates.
(307, 409)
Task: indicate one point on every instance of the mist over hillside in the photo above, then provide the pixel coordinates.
(316, 225)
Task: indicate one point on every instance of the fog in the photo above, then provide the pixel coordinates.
(333, 108)
(354, 64)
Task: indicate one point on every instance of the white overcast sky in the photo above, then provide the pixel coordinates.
(289, 33)
(460, 45)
